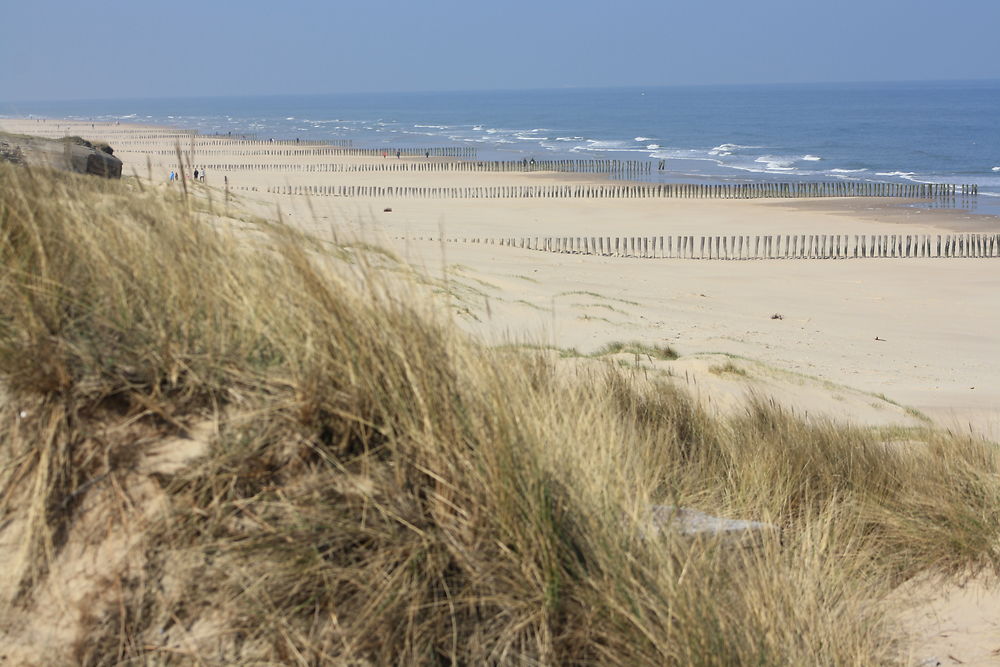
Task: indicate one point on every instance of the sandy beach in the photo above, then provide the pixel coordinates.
(873, 341)
(880, 342)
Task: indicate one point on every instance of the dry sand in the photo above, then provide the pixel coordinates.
(882, 342)
(862, 334)
(953, 625)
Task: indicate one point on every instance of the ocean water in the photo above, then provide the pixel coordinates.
(924, 132)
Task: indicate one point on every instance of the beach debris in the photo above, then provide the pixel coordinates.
(881, 340)
(387, 210)
(777, 316)
(694, 523)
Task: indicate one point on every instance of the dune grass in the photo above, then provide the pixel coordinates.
(658, 352)
(728, 368)
(381, 489)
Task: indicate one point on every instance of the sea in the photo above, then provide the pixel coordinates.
(920, 132)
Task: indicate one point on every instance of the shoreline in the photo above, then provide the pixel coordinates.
(990, 209)
(910, 330)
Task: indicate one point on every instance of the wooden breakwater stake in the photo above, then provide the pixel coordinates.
(768, 246)
(621, 191)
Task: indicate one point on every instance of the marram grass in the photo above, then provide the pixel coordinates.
(378, 488)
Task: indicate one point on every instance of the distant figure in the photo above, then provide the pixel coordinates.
(663, 163)
(226, 180)
(385, 153)
(196, 174)
(202, 173)
(427, 154)
(532, 163)
(397, 153)
(171, 176)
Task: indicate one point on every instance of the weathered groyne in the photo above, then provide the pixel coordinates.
(757, 246)
(640, 191)
(617, 167)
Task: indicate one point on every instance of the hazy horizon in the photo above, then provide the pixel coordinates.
(751, 84)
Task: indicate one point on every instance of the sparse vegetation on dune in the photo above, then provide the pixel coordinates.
(728, 368)
(658, 352)
(376, 488)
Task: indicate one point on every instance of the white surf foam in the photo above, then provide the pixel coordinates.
(996, 168)
(728, 149)
(642, 139)
(776, 163)
(811, 158)
(847, 171)
(599, 144)
(901, 174)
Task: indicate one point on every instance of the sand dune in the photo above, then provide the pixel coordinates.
(877, 342)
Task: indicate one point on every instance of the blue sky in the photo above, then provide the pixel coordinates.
(62, 50)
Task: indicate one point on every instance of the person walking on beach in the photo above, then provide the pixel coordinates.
(385, 154)
(397, 153)
(196, 174)
(427, 154)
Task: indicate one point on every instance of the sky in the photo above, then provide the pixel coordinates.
(68, 50)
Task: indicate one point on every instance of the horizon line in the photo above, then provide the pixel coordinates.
(505, 90)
